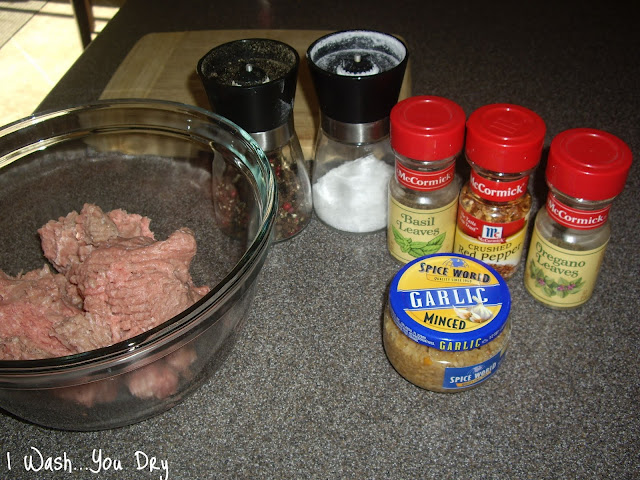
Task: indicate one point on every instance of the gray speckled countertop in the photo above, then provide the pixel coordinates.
(308, 391)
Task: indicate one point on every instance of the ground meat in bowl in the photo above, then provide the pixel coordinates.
(115, 281)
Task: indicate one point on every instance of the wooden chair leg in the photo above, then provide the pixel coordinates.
(84, 17)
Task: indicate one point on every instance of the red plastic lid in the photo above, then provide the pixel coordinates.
(427, 128)
(589, 164)
(505, 138)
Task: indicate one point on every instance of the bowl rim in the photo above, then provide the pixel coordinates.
(13, 371)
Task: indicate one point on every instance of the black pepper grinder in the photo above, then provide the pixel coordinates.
(357, 75)
(252, 82)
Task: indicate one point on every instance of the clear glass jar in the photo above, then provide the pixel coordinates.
(481, 219)
(253, 82)
(351, 170)
(573, 238)
(357, 76)
(446, 327)
(477, 203)
(586, 170)
(503, 146)
(295, 206)
(438, 198)
(337, 144)
(427, 135)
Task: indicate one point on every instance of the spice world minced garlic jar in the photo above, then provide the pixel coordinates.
(446, 326)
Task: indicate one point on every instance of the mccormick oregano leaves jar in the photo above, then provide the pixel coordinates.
(503, 146)
(427, 135)
(586, 170)
(446, 326)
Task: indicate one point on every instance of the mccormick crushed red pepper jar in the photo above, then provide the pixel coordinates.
(586, 170)
(503, 146)
(446, 326)
(427, 135)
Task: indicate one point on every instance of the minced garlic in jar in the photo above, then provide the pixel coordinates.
(446, 326)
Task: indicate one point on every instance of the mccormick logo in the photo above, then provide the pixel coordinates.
(504, 192)
(491, 232)
(499, 191)
(574, 218)
(424, 181)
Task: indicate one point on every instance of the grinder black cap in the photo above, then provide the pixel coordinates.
(252, 82)
(357, 74)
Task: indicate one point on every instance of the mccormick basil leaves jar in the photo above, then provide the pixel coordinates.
(427, 135)
(446, 326)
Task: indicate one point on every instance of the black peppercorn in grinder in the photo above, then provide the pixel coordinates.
(252, 82)
(357, 76)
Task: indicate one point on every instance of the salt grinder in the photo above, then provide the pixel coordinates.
(252, 82)
(357, 75)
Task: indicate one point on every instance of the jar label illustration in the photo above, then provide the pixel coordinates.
(574, 218)
(560, 277)
(424, 181)
(414, 232)
(502, 252)
(498, 191)
(464, 377)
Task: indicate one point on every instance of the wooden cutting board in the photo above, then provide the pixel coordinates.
(163, 66)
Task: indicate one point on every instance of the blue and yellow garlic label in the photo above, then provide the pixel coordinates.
(449, 302)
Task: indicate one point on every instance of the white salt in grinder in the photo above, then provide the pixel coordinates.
(357, 76)
(252, 82)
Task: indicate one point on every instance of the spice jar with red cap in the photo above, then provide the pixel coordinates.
(427, 136)
(503, 146)
(586, 170)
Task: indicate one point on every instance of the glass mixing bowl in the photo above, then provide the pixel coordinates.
(181, 166)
